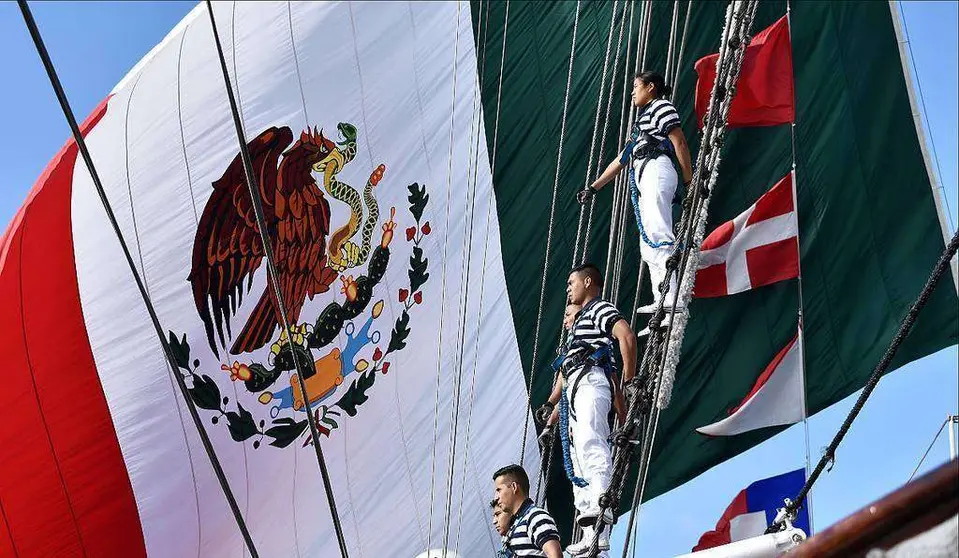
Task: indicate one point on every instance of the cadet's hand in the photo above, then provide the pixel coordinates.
(542, 414)
(583, 196)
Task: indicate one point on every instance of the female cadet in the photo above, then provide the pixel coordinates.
(656, 135)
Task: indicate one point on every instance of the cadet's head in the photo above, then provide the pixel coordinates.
(502, 517)
(584, 283)
(512, 486)
(569, 316)
(648, 86)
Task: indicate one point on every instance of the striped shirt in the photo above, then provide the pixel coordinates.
(531, 530)
(658, 119)
(593, 327)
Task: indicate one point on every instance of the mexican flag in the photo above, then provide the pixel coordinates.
(407, 178)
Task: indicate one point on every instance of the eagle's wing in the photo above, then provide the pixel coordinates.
(227, 248)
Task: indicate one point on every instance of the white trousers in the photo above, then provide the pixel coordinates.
(653, 204)
(589, 450)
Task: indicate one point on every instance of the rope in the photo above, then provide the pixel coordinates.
(592, 145)
(274, 279)
(154, 319)
(682, 50)
(602, 143)
(439, 343)
(549, 236)
(904, 328)
(658, 361)
(648, 26)
(467, 249)
(932, 443)
(469, 417)
(544, 473)
(639, 287)
(672, 42)
(614, 214)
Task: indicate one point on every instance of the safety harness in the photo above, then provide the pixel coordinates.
(587, 359)
(648, 150)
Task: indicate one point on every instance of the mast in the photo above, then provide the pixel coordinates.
(944, 224)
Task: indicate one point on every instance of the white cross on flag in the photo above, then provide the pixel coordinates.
(759, 247)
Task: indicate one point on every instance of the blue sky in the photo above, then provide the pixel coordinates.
(94, 45)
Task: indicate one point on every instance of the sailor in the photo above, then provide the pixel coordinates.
(547, 415)
(502, 518)
(655, 138)
(588, 377)
(532, 531)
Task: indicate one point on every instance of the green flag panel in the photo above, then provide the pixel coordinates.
(869, 231)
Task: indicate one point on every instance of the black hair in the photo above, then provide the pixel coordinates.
(517, 474)
(494, 503)
(591, 271)
(659, 83)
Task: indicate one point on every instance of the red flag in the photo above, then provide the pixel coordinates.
(759, 247)
(764, 94)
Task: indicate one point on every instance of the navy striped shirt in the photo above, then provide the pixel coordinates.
(593, 327)
(658, 118)
(531, 530)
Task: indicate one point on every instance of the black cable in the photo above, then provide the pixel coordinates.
(181, 383)
(271, 269)
(904, 328)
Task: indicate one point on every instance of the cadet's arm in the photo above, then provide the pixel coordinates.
(627, 348)
(553, 549)
(678, 139)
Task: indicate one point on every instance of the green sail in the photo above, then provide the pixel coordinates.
(869, 229)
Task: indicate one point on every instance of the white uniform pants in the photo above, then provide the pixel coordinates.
(589, 450)
(653, 204)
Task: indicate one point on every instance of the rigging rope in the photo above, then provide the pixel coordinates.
(926, 454)
(672, 42)
(682, 50)
(257, 204)
(467, 250)
(592, 146)
(708, 159)
(549, 236)
(618, 184)
(618, 217)
(905, 327)
(148, 303)
(661, 354)
(439, 344)
(602, 143)
(490, 201)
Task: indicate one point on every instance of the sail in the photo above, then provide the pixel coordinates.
(868, 227)
(408, 167)
(364, 123)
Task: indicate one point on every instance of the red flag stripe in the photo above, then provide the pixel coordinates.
(774, 262)
(721, 534)
(777, 201)
(65, 490)
(766, 374)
